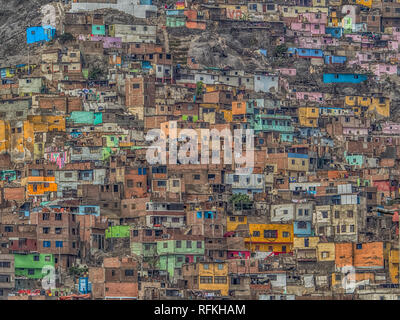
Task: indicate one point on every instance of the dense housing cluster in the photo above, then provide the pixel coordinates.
(316, 81)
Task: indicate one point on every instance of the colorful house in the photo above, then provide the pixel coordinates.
(274, 238)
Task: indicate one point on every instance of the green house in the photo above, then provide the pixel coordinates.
(117, 232)
(86, 117)
(174, 253)
(273, 123)
(175, 22)
(98, 30)
(31, 265)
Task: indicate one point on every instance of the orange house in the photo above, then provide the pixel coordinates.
(38, 186)
(361, 256)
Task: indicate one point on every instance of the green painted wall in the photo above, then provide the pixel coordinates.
(117, 232)
(98, 30)
(172, 257)
(25, 262)
(86, 117)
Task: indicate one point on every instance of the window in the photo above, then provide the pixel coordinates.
(136, 85)
(199, 245)
(325, 254)
(301, 225)
(58, 230)
(68, 175)
(352, 228)
(256, 233)
(31, 271)
(129, 273)
(343, 228)
(350, 213)
(59, 244)
(359, 246)
(165, 245)
(270, 233)
(300, 212)
(196, 177)
(179, 244)
(58, 216)
(337, 214)
(206, 280)
(220, 279)
(46, 216)
(46, 244)
(188, 244)
(8, 229)
(285, 234)
(46, 230)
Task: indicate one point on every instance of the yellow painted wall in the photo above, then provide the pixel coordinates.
(259, 243)
(213, 271)
(298, 242)
(382, 109)
(232, 225)
(4, 136)
(366, 3)
(394, 265)
(326, 247)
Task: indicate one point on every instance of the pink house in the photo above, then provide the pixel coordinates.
(310, 96)
(238, 254)
(109, 42)
(391, 128)
(354, 37)
(315, 42)
(288, 71)
(311, 17)
(382, 69)
(355, 131)
(317, 28)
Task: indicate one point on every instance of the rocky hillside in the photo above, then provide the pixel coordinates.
(15, 17)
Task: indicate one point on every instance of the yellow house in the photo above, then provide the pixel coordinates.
(232, 222)
(333, 20)
(47, 123)
(319, 3)
(308, 116)
(227, 115)
(276, 238)
(294, 11)
(300, 243)
(326, 251)
(365, 3)
(394, 265)
(213, 276)
(381, 106)
(4, 136)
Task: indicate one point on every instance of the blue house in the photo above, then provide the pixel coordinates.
(90, 210)
(40, 34)
(344, 78)
(335, 32)
(335, 59)
(306, 53)
(302, 228)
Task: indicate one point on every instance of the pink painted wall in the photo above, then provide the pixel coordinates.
(391, 128)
